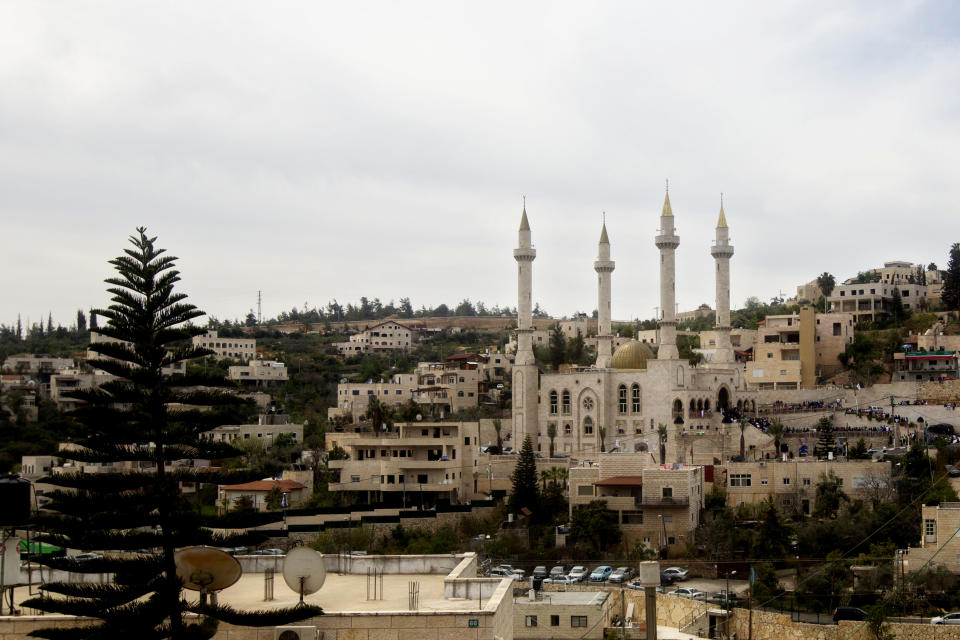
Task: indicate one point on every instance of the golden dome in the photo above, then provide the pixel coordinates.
(631, 355)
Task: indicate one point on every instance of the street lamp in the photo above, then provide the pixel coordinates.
(727, 602)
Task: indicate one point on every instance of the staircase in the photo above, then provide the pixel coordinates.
(695, 619)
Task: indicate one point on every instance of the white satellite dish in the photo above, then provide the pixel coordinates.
(206, 569)
(304, 571)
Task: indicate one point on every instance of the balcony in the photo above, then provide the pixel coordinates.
(663, 502)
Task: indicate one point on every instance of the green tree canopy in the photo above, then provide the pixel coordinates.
(129, 420)
(524, 492)
(593, 523)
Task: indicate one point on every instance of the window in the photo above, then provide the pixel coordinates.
(566, 402)
(578, 621)
(929, 527)
(554, 621)
(763, 481)
(587, 425)
(622, 397)
(635, 393)
(632, 517)
(740, 480)
(588, 403)
(554, 399)
(806, 482)
(530, 621)
(585, 490)
(566, 429)
(667, 492)
(786, 481)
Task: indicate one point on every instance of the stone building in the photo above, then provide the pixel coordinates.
(621, 400)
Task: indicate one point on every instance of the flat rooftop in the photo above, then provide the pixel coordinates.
(348, 594)
(578, 598)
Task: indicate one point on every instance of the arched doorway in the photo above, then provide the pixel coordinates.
(723, 399)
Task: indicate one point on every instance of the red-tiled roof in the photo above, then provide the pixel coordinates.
(266, 485)
(620, 481)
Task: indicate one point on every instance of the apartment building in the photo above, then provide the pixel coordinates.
(244, 349)
(657, 506)
(562, 615)
(939, 542)
(793, 351)
(292, 493)
(266, 434)
(177, 368)
(384, 337)
(412, 465)
(259, 372)
(925, 366)
(70, 380)
(871, 302)
(793, 483)
(36, 365)
(353, 398)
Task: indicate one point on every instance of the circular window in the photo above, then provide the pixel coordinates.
(588, 403)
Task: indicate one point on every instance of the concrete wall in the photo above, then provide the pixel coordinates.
(359, 564)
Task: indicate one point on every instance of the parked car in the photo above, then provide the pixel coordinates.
(848, 613)
(689, 592)
(621, 574)
(560, 580)
(578, 573)
(950, 618)
(721, 599)
(677, 573)
(268, 552)
(86, 557)
(952, 471)
(667, 579)
(941, 429)
(601, 573)
(497, 572)
(559, 570)
(539, 571)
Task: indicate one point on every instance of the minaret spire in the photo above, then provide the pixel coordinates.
(667, 242)
(722, 251)
(525, 376)
(604, 266)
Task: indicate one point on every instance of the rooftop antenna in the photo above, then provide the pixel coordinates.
(259, 306)
(304, 571)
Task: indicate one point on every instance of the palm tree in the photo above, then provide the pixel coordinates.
(379, 414)
(776, 429)
(826, 282)
(603, 436)
(559, 476)
(662, 434)
(544, 476)
(552, 434)
(743, 427)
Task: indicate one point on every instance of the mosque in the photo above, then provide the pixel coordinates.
(629, 398)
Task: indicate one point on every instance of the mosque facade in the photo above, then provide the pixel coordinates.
(632, 400)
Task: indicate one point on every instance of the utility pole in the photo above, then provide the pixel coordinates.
(259, 306)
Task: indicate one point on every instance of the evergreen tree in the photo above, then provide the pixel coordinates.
(81, 321)
(826, 438)
(50, 322)
(594, 523)
(951, 280)
(525, 492)
(897, 312)
(558, 347)
(576, 349)
(129, 420)
(19, 328)
(93, 320)
(859, 451)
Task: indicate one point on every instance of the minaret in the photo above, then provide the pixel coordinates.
(525, 373)
(722, 251)
(604, 267)
(667, 241)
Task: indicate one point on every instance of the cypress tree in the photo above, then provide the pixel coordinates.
(826, 438)
(524, 491)
(128, 422)
(951, 280)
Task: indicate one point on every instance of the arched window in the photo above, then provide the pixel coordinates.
(565, 406)
(622, 398)
(677, 409)
(588, 425)
(739, 405)
(699, 405)
(680, 376)
(635, 393)
(554, 401)
(566, 429)
(706, 404)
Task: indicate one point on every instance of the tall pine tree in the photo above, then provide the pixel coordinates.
(524, 493)
(826, 438)
(129, 423)
(951, 280)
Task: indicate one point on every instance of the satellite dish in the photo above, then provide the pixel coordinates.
(206, 569)
(304, 571)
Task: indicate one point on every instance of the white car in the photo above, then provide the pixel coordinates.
(578, 573)
(497, 572)
(950, 618)
(567, 580)
(676, 572)
(690, 592)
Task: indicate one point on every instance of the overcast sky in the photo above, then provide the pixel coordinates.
(333, 150)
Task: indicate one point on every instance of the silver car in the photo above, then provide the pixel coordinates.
(950, 618)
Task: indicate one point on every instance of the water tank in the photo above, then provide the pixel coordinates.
(15, 498)
(537, 583)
